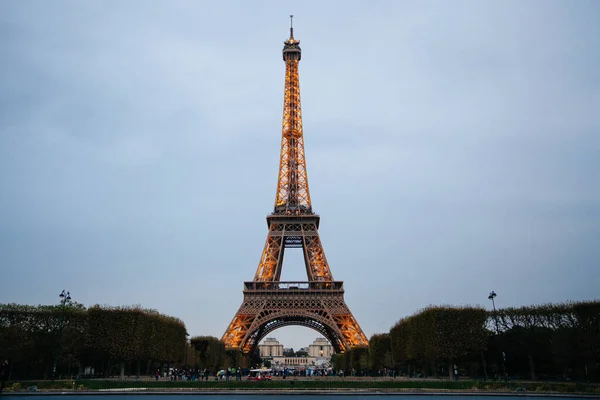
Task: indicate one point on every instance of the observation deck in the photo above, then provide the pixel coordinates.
(293, 218)
(296, 288)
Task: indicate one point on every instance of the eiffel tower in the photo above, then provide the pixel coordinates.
(269, 303)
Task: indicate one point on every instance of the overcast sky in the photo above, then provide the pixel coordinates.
(453, 148)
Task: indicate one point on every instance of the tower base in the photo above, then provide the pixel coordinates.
(271, 305)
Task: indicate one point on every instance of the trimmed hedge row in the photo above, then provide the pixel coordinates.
(34, 338)
(548, 342)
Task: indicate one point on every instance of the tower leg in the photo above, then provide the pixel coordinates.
(269, 266)
(317, 267)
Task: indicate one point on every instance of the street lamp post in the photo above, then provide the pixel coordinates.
(491, 297)
(187, 344)
(65, 299)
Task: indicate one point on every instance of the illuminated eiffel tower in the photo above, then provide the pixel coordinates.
(317, 303)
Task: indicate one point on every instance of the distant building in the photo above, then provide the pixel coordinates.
(270, 348)
(319, 354)
(287, 351)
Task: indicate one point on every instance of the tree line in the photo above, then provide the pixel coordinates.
(551, 341)
(63, 341)
(209, 352)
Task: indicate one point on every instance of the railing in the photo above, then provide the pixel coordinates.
(293, 213)
(294, 286)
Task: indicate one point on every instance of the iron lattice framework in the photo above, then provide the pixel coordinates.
(269, 303)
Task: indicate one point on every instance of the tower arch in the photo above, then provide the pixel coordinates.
(283, 318)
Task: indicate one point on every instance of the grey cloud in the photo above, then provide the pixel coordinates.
(452, 149)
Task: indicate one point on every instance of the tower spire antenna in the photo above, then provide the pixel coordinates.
(291, 26)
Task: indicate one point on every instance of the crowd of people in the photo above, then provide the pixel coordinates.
(199, 374)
